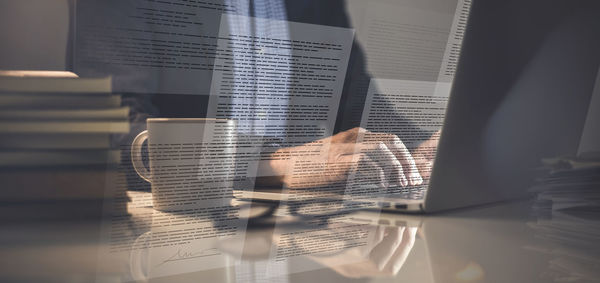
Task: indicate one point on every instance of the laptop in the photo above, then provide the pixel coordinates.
(502, 100)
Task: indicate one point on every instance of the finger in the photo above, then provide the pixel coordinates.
(350, 136)
(402, 251)
(424, 165)
(381, 254)
(379, 233)
(378, 236)
(392, 167)
(369, 172)
(402, 153)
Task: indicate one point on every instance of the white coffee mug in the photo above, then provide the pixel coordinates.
(191, 161)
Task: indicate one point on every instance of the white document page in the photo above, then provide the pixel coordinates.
(149, 46)
(271, 83)
(279, 79)
(455, 39)
(414, 100)
(404, 42)
(410, 40)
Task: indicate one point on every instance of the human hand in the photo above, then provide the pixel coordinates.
(383, 256)
(384, 156)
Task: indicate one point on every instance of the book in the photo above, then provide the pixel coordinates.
(58, 101)
(74, 127)
(52, 211)
(50, 84)
(38, 73)
(121, 113)
(41, 158)
(53, 184)
(55, 141)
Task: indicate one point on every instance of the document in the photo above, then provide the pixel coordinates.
(271, 83)
(189, 242)
(410, 109)
(154, 243)
(173, 46)
(402, 41)
(408, 40)
(280, 80)
(453, 47)
(454, 44)
(149, 46)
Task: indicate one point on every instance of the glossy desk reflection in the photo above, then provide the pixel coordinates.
(487, 244)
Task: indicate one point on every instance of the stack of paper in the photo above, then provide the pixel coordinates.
(58, 119)
(568, 219)
(570, 183)
(570, 239)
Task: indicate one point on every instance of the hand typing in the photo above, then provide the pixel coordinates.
(383, 157)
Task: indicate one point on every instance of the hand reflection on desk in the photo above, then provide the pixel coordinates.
(351, 249)
(383, 256)
(380, 254)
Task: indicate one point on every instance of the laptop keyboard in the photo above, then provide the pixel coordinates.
(412, 193)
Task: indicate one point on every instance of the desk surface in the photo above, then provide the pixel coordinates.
(496, 243)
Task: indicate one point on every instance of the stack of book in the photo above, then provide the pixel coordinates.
(567, 209)
(56, 133)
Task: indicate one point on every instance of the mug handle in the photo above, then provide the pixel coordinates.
(136, 156)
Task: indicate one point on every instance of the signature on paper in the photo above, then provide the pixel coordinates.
(183, 255)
